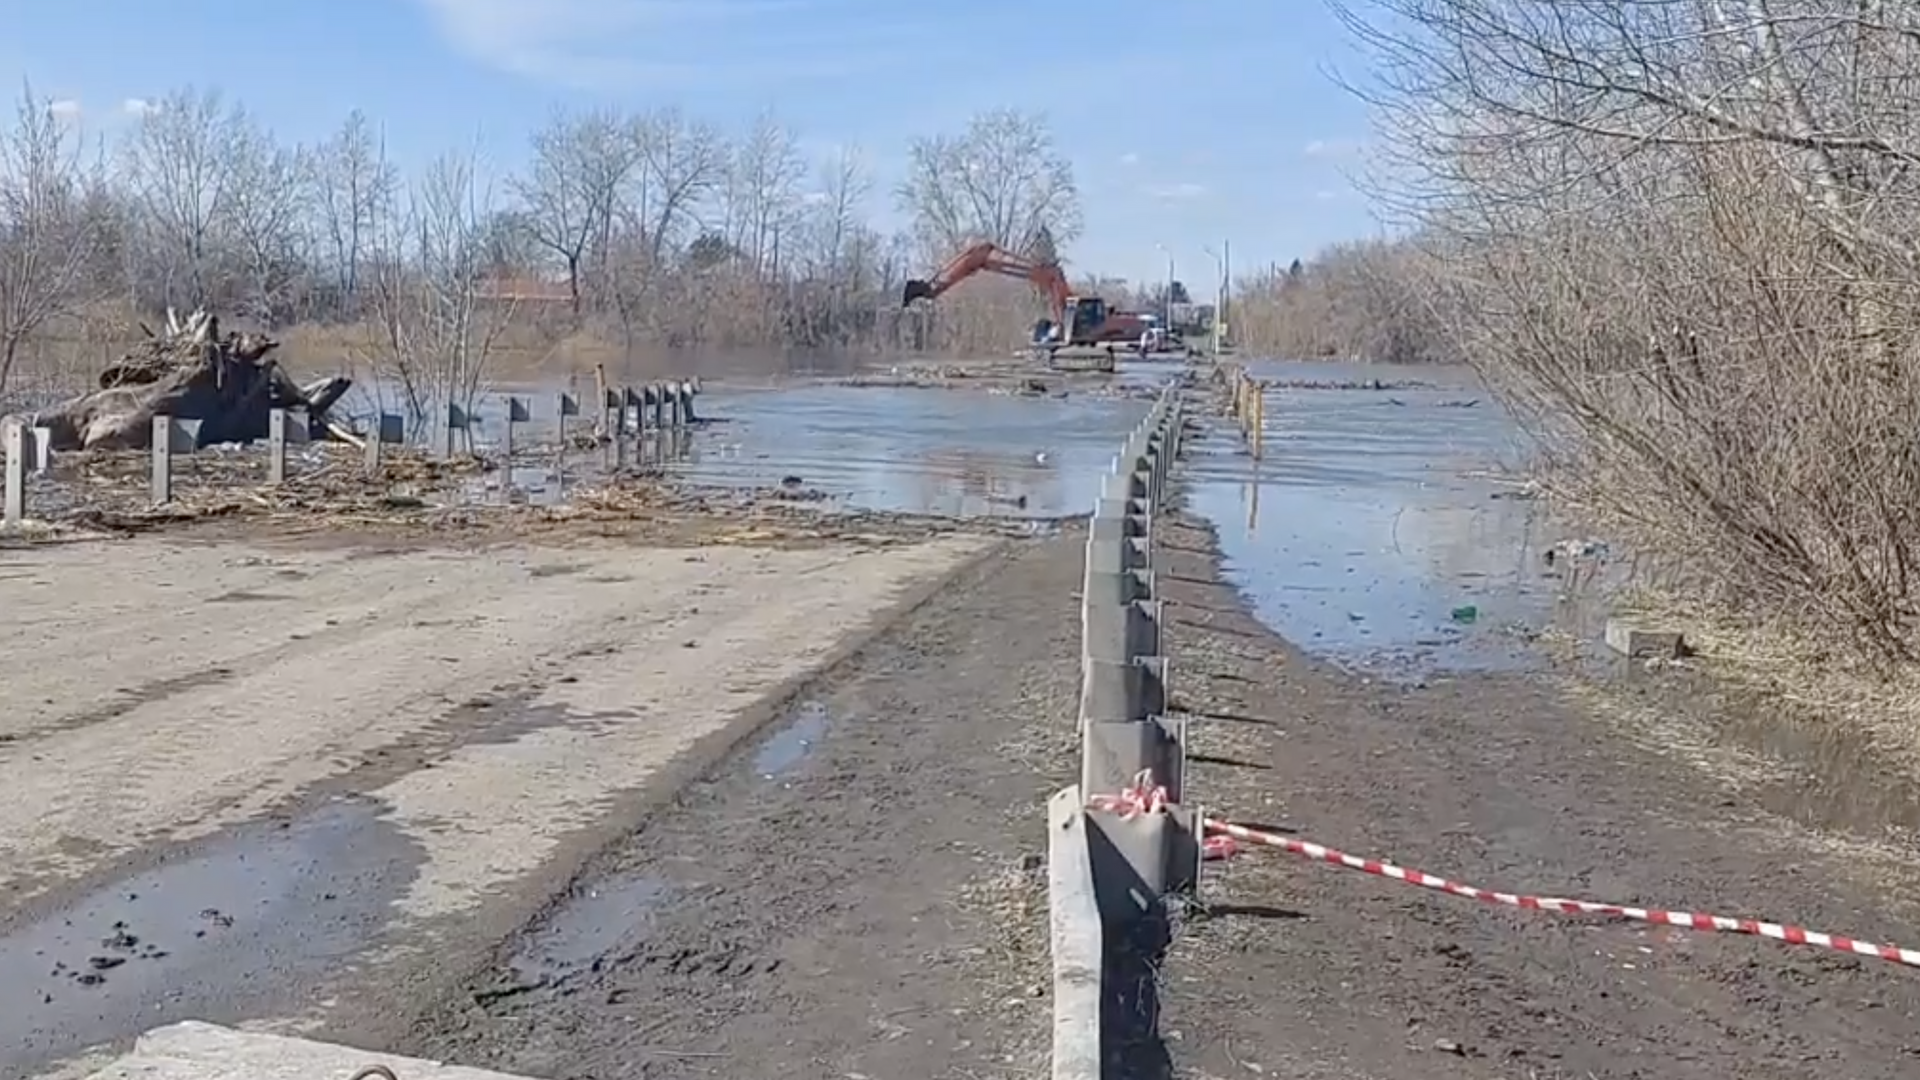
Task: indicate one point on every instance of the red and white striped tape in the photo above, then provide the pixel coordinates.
(1792, 935)
(1146, 797)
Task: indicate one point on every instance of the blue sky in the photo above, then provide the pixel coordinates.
(1188, 122)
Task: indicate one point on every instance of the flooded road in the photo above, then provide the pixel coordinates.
(1372, 532)
(915, 450)
(957, 452)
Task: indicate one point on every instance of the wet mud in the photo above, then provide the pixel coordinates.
(222, 933)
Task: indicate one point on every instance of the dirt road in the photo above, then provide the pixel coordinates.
(1507, 782)
(265, 782)
(860, 896)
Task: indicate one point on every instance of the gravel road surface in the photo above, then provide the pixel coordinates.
(861, 895)
(301, 787)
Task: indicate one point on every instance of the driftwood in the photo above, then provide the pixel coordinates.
(190, 372)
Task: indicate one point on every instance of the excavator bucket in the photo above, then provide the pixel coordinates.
(916, 290)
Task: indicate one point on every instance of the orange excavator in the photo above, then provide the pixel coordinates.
(1076, 320)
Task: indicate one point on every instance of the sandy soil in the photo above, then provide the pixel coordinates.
(870, 905)
(490, 708)
(1302, 970)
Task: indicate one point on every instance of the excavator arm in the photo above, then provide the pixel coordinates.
(992, 259)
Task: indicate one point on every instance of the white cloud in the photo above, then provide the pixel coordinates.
(134, 106)
(1129, 158)
(66, 109)
(1177, 191)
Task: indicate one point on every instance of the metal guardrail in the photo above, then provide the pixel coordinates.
(1108, 864)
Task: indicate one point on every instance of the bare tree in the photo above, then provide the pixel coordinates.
(47, 237)
(1003, 181)
(266, 204)
(581, 165)
(684, 161)
(181, 169)
(763, 192)
(1682, 238)
(352, 185)
(432, 330)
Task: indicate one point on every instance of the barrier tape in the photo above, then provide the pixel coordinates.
(1143, 796)
(1792, 935)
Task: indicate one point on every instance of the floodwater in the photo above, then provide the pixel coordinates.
(221, 935)
(963, 453)
(1374, 530)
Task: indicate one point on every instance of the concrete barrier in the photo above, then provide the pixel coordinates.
(1109, 868)
(197, 1051)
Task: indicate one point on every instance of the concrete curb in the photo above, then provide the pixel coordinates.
(1107, 871)
(196, 1051)
(1077, 939)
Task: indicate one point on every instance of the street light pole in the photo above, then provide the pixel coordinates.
(1222, 291)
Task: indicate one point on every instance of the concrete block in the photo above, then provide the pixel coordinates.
(1114, 752)
(199, 1051)
(1122, 484)
(1117, 633)
(1116, 527)
(1116, 556)
(1138, 859)
(1631, 640)
(1078, 939)
(1115, 588)
(1113, 693)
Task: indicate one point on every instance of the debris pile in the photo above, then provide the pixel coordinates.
(228, 384)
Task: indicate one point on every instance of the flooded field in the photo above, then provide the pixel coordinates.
(1374, 531)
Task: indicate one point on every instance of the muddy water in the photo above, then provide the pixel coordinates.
(282, 902)
(927, 451)
(1370, 532)
(934, 451)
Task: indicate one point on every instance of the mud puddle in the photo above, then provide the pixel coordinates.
(232, 931)
(1371, 532)
(593, 922)
(788, 746)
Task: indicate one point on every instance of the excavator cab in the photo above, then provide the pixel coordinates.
(1084, 314)
(917, 289)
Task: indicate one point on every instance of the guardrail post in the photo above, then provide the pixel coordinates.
(20, 450)
(683, 392)
(168, 437)
(384, 430)
(276, 447)
(453, 419)
(567, 407)
(518, 412)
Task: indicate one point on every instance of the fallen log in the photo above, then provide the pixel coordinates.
(228, 383)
